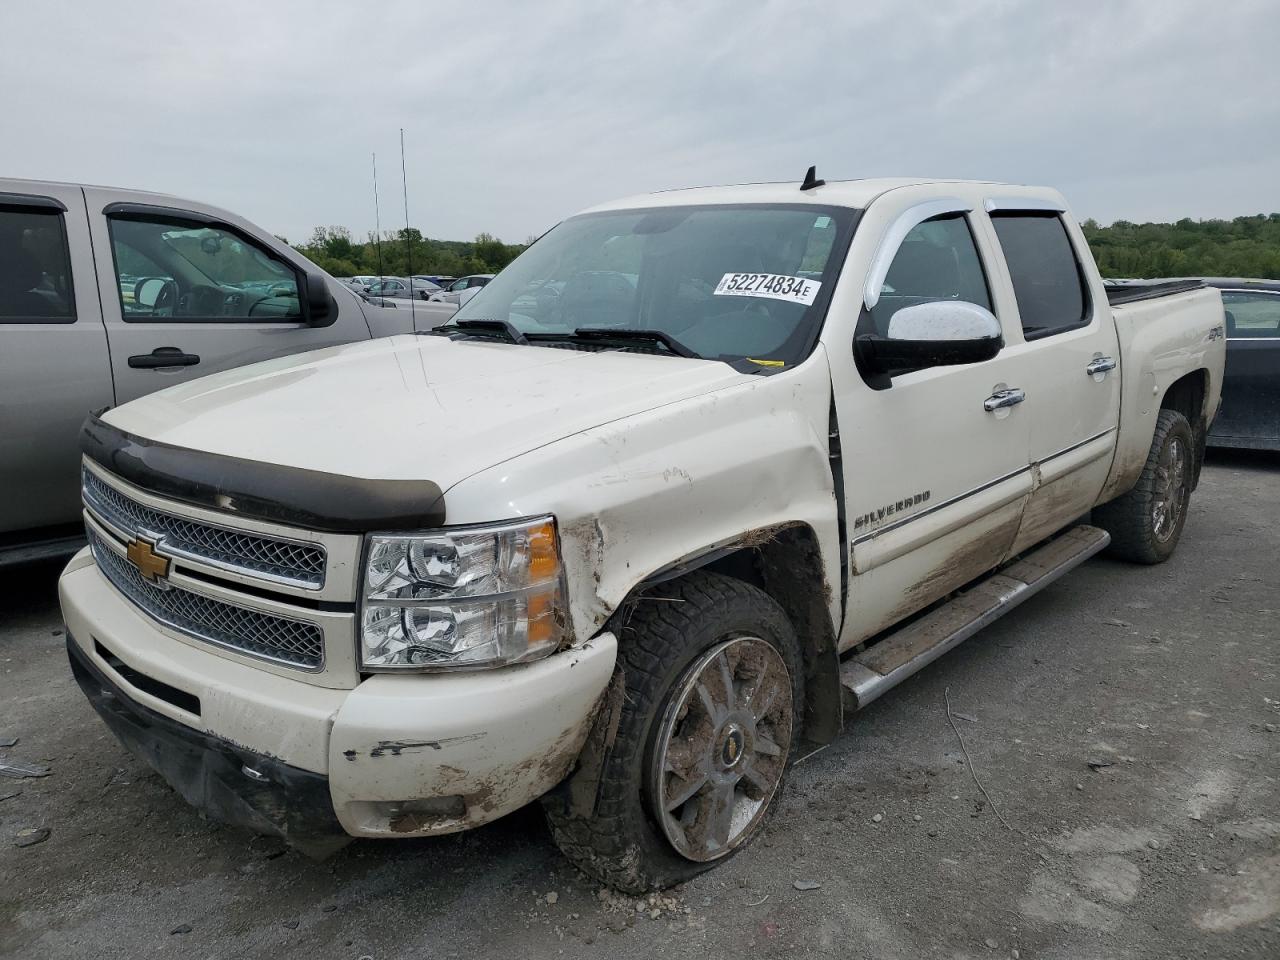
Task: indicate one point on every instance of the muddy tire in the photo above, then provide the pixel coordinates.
(709, 721)
(1146, 522)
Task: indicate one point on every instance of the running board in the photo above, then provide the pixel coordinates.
(867, 675)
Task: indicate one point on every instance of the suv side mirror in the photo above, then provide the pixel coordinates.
(935, 334)
(322, 311)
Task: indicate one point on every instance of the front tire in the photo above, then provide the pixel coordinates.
(714, 688)
(1146, 523)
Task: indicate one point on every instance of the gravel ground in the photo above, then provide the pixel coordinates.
(1167, 678)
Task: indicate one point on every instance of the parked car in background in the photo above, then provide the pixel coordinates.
(106, 295)
(387, 286)
(403, 288)
(453, 293)
(1250, 415)
(694, 476)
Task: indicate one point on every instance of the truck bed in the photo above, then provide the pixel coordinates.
(1166, 330)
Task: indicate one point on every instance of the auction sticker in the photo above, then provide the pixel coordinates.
(776, 286)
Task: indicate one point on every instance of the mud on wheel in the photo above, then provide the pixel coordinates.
(1146, 523)
(708, 723)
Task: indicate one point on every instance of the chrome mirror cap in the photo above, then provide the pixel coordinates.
(944, 320)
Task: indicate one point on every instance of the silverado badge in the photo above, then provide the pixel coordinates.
(153, 567)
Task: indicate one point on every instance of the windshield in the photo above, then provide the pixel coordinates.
(726, 282)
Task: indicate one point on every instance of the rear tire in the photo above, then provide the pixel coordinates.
(709, 720)
(1146, 523)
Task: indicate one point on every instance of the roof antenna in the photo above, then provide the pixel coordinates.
(377, 220)
(408, 243)
(811, 179)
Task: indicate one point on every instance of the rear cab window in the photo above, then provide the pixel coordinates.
(170, 269)
(1048, 280)
(35, 265)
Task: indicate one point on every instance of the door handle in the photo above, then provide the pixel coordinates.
(1003, 398)
(1100, 365)
(163, 357)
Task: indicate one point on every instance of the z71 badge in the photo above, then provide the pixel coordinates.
(865, 521)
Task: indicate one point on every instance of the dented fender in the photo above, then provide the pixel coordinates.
(637, 495)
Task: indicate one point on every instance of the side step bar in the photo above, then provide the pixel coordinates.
(867, 675)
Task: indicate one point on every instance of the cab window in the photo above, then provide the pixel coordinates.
(168, 269)
(1048, 281)
(938, 260)
(35, 268)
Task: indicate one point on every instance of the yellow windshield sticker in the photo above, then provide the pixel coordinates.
(768, 363)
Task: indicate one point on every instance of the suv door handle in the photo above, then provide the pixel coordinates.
(163, 357)
(1100, 365)
(1003, 398)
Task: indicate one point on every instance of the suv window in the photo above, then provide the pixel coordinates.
(937, 261)
(1047, 280)
(169, 269)
(35, 267)
(1252, 315)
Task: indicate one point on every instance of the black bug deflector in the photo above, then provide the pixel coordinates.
(295, 496)
(209, 773)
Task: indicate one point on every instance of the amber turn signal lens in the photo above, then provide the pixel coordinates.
(544, 558)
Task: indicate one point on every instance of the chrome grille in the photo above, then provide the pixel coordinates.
(268, 558)
(270, 637)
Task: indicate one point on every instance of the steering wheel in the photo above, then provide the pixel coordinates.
(164, 300)
(202, 300)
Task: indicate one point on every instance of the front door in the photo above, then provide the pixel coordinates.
(935, 472)
(185, 294)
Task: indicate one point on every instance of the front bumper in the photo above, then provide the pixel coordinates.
(397, 756)
(230, 783)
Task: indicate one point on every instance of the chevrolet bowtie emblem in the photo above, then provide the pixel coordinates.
(151, 565)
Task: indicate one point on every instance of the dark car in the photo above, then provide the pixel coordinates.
(1250, 414)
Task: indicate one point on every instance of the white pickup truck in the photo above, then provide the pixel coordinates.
(695, 477)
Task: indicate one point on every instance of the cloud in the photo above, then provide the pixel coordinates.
(518, 114)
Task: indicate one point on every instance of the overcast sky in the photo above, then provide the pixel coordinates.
(517, 114)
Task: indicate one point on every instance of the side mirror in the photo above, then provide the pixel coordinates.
(940, 333)
(147, 292)
(322, 311)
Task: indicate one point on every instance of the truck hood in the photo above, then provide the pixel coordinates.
(411, 407)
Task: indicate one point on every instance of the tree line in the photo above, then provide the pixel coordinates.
(1243, 247)
(401, 253)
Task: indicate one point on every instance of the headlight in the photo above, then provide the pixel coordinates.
(464, 598)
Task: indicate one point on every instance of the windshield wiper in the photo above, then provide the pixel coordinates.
(497, 326)
(636, 333)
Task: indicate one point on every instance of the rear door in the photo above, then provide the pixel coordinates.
(188, 291)
(54, 367)
(1250, 414)
(1071, 355)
